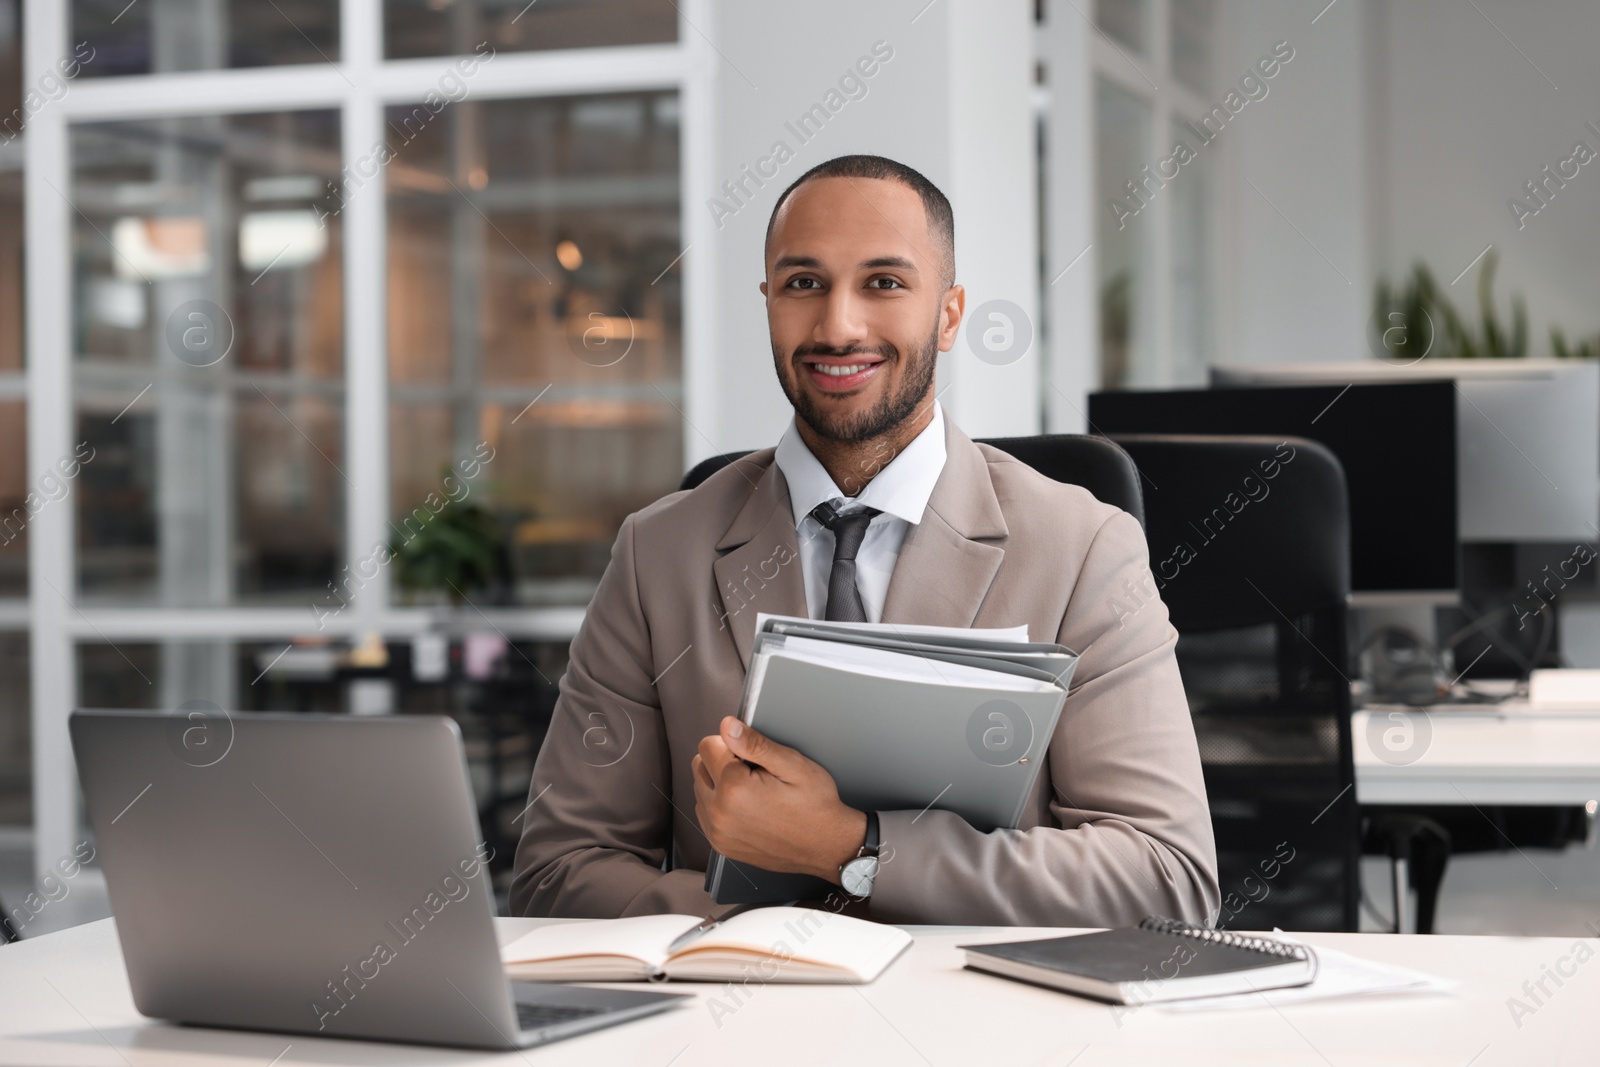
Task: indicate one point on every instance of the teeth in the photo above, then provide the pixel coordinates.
(840, 372)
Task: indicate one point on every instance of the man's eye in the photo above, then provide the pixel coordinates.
(884, 283)
(804, 283)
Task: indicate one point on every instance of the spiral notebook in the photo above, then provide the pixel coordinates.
(1160, 959)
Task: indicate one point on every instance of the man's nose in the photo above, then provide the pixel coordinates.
(841, 323)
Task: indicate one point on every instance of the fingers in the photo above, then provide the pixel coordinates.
(715, 758)
(708, 799)
(750, 744)
(702, 775)
(704, 795)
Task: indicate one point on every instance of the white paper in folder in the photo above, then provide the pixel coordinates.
(911, 668)
(1018, 633)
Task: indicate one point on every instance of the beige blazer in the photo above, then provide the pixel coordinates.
(1117, 826)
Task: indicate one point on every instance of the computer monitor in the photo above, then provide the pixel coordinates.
(1528, 437)
(1397, 443)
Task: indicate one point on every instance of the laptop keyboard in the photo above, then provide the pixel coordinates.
(539, 1016)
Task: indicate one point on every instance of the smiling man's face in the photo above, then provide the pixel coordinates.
(856, 305)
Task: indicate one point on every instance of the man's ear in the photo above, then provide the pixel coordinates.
(763, 288)
(950, 314)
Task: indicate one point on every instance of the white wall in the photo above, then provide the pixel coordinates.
(1469, 121)
(953, 102)
(1397, 134)
(1294, 281)
(1071, 270)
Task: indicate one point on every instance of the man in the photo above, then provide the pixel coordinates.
(873, 506)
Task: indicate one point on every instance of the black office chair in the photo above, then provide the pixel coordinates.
(8, 933)
(507, 719)
(1093, 462)
(1250, 548)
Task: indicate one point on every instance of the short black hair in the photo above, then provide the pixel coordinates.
(941, 220)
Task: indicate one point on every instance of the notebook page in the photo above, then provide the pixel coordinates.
(805, 935)
(640, 937)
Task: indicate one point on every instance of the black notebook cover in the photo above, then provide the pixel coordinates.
(1166, 954)
(1124, 956)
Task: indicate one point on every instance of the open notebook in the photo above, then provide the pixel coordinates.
(776, 944)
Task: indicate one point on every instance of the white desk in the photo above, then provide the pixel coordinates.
(1514, 756)
(64, 999)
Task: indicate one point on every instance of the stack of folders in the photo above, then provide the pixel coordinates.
(904, 718)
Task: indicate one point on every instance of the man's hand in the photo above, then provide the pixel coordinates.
(784, 814)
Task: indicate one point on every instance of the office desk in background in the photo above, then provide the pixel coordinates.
(1493, 754)
(66, 1001)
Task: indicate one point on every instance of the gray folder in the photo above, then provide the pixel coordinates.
(895, 744)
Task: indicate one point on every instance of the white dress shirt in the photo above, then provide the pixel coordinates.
(900, 491)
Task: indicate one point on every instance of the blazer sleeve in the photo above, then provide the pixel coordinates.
(598, 818)
(1131, 833)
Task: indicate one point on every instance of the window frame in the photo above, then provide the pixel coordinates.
(360, 86)
(14, 383)
(1153, 80)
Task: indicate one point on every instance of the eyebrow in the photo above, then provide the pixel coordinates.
(812, 263)
(785, 262)
(898, 262)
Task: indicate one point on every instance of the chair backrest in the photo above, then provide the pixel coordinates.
(709, 466)
(1081, 459)
(1095, 463)
(1250, 550)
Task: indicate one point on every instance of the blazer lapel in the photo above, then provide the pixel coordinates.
(945, 567)
(761, 568)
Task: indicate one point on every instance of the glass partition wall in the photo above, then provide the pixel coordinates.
(208, 378)
(529, 322)
(16, 781)
(1155, 84)
(298, 273)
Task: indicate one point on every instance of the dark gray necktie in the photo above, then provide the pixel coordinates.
(844, 598)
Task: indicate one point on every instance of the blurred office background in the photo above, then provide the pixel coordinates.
(274, 276)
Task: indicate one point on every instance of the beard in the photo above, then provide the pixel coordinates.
(895, 406)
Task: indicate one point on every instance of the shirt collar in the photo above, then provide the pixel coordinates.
(901, 489)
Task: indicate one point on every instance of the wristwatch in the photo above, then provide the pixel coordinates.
(857, 876)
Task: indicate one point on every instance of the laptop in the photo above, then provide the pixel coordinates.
(312, 874)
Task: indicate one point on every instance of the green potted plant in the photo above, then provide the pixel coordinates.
(1421, 303)
(1431, 326)
(458, 551)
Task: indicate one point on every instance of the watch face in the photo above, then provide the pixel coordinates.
(857, 876)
